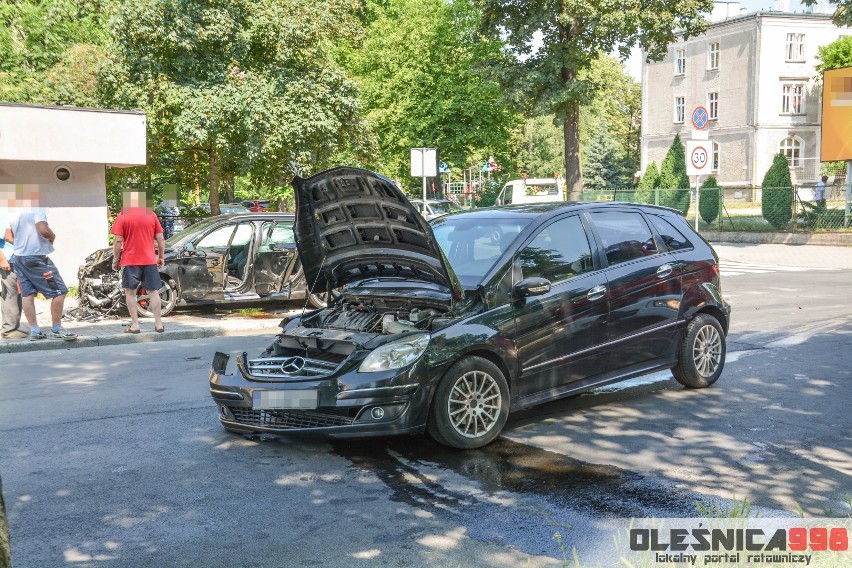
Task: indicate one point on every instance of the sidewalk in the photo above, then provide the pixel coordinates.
(183, 323)
(806, 256)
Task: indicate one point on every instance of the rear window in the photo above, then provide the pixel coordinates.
(673, 239)
(541, 189)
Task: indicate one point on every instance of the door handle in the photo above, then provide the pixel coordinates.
(596, 293)
(214, 262)
(664, 270)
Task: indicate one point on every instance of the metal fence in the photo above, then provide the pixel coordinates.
(749, 209)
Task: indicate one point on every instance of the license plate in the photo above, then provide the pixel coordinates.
(290, 399)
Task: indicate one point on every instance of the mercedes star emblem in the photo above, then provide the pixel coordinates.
(292, 365)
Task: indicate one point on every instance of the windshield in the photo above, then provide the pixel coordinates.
(191, 231)
(444, 207)
(473, 244)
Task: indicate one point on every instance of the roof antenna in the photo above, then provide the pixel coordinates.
(311, 291)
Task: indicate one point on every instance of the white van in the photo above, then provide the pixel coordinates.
(532, 190)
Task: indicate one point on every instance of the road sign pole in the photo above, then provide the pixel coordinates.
(697, 194)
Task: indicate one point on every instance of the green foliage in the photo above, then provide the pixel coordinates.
(541, 154)
(777, 201)
(548, 46)
(835, 55)
(602, 167)
(648, 184)
(50, 50)
(674, 183)
(418, 71)
(237, 88)
(708, 202)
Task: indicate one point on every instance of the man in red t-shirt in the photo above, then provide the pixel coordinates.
(135, 230)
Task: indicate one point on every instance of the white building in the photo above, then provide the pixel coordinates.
(755, 76)
(65, 152)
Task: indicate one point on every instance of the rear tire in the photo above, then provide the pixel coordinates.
(701, 356)
(470, 406)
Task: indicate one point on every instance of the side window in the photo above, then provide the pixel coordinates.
(625, 235)
(243, 234)
(217, 238)
(560, 251)
(507, 194)
(277, 234)
(673, 238)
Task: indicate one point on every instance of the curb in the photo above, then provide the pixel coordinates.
(23, 346)
(823, 239)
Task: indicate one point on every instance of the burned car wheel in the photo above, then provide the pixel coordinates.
(701, 357)
(168, 296)
(470, 406)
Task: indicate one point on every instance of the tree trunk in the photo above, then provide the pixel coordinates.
(214, 183)
(571, 138)
(229, 188)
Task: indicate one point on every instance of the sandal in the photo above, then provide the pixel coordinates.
(159, 329)
(133, 331)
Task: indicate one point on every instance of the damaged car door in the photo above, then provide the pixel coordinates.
(273, 265)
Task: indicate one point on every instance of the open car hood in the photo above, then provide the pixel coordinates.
(354, 224)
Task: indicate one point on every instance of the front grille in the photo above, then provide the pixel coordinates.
(295, 366)
(293, 418)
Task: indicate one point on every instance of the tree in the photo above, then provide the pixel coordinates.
(546, 76)
(708, 203)
(674, 183)
(835, 55)
(50, 50)
(777, 202)
(417, 68)
(648, 185)
(242, 87)
(602, 169)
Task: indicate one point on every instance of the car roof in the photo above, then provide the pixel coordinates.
(531, 210)
(255, 216)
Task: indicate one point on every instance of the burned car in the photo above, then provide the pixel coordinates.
(226, 259)
(446, 328)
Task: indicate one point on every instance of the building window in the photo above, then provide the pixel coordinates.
(792, 98)
(792, 150)
(679, 109)
(713, 105)
(795, 47)
(680, 61)
(713, 55)
(714, 165)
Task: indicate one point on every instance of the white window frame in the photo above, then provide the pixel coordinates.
(713, 105)
(716, 154)
(793, 98)
(791, 147)
(680, 61)
(795, 46)
(712, 55)
(679, 110)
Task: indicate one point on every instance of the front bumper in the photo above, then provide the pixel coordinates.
(344, 403)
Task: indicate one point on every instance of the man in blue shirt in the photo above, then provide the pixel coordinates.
(10, 299)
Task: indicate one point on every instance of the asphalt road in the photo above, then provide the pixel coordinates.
(113, 456)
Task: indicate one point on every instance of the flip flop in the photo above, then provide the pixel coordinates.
(128, 330)
(159, 329)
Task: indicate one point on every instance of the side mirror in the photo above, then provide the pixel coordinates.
(534, 286)
(189, 248)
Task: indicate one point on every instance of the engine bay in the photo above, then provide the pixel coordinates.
(373, 318)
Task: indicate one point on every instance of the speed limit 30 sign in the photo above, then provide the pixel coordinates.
(697, 157)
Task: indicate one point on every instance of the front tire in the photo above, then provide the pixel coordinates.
(701, 356)
(168, 297)
(470, 406)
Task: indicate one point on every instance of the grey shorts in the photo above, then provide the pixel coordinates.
(38, 274)
(148, 276)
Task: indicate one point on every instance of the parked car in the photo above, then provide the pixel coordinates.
(446, 328)
(435, 207)
(531, 190)
(220, 260)
(225, 208)
(257, 205)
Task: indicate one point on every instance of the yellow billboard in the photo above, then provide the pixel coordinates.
(836, 115)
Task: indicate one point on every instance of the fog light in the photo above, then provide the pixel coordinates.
(377, 413)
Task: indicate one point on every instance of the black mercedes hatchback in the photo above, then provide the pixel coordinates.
(446, 328)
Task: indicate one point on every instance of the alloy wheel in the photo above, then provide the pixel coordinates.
(707, 350)
(474, 404)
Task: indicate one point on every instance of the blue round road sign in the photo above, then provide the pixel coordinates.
(699, 118)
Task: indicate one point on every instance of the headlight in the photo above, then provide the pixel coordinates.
(395, 355)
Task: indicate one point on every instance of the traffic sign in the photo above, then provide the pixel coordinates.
(700, 117)
(698, 154)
